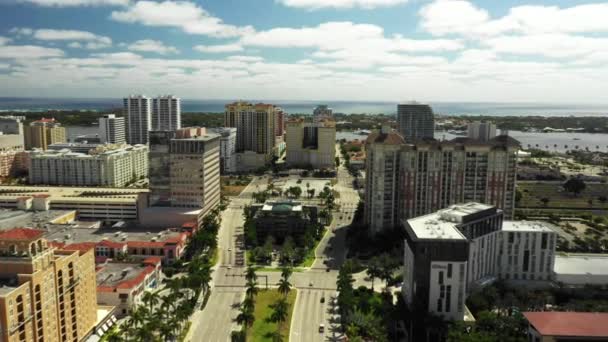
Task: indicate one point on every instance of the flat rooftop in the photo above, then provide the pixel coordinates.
(73, 194)
(581, 264)
(282, 206)
(124, 275)
(73, 234)
(527, 226)
(19, 218)
(442, 224)
(7, 285)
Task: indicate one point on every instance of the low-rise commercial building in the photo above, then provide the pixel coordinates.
(450, 253)
(283, 218)
(106, 165)
(581, 269)
(567, 326)
(311, 144)
(108, 205)
(46, 294)
(123, 284)
(44, 132)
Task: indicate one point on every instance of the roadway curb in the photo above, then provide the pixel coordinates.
(293, 310)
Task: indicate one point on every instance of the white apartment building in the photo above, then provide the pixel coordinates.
(227, 148)
(112, 129)
(166, 113)
(452, 252)
(137, 109)
(107, 165)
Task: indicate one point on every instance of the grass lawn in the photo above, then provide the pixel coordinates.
(262, 328)
(534, 192)
(232, 186)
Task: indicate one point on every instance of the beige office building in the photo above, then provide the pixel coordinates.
(46, 295)
(311, 144)
(106, 165)
(255, 129)
(195, 169)
(42, 133)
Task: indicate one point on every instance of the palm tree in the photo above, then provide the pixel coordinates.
(277, 337)
(250, 274)
(245, 317)
(150, 299)
(279, 312)
(252, 289)
(284, 287)
(286, 272)
(373, 270)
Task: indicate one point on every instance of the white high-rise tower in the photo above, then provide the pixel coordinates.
(166, 113)
(112, 129)
(137, 111)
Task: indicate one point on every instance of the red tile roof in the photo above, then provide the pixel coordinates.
(392, 138)
(146, 244)
(111, 244)
(153, 260)
(579, 324)
(81, 246)
(21, 234)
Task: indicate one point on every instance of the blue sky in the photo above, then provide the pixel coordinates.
(393, 50)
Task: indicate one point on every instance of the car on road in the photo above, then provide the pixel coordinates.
(322, 299)
(229, 249)
(321, 328)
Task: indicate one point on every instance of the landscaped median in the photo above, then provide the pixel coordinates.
(263, 326)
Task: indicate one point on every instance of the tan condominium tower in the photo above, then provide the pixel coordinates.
(195, 169)
(42, 133)
(255, 129)
(166, 113)
(311, 144)
(45, 294)
(137, 110)
(405, 180)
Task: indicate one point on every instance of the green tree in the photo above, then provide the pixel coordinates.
(374, 270)
(280, 311)
(545, 201)
(575, 185)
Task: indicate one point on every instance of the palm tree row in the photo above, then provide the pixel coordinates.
(246, 315)
(163, 317)
(280, 308)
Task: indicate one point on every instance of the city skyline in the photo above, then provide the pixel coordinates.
(428, 50)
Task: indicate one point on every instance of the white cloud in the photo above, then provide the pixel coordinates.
(4, 40)
(4, 66)
(28, 51)
(345, 35)
(250, 59)
(156, 46)
(549, 45)
(185, 15)
(79, 39)
(447, 17)
(234, 47)
(317, 4)
(70, 3)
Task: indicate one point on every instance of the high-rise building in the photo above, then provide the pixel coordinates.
(195, 169)
(408, 180)
(41, 133)
(483, 131)
(166, 113)
(322, 113)
(45, 294)
(415, 121)
(159, 174)
(112, 129)
(12, 158)
(280, 121)
(451, 252)
(185, 169)
(227, 148)
(311, 144)
(255, 134)
(106, 165)
(137, 109)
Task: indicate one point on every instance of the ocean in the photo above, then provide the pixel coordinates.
(306, 107)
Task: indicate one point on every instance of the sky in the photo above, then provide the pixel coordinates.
(349, 50)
